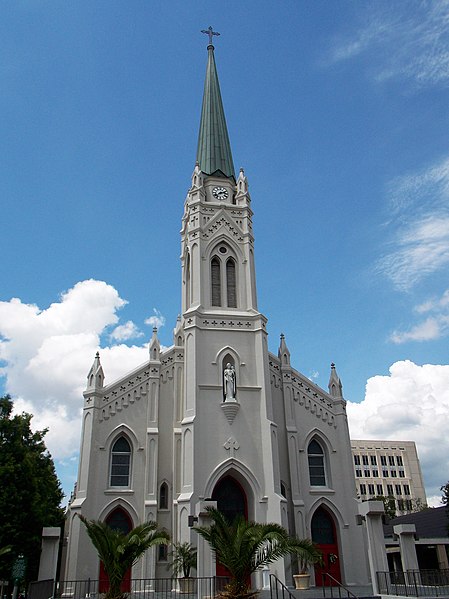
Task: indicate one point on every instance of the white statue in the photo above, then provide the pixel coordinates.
(229, 383)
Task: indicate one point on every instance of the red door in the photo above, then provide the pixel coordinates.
(324, 535)
(119, 520)
(231, 501)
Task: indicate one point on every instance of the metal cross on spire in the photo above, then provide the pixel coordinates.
(210, 33)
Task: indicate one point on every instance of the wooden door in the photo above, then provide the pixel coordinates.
(324, 535)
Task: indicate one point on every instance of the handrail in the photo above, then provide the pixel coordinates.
(276, 583)
(338, 584)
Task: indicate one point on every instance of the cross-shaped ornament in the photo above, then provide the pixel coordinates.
(210, 33)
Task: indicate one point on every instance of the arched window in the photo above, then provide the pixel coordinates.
(163, 497)
(120, 463)
(231, 289)
(215, 276)
(317, 471)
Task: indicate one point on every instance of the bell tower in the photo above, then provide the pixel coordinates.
(228, 433)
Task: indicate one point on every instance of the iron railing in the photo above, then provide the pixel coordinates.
(148, 588)
(278, 590)
(331, 583)
(414, 583)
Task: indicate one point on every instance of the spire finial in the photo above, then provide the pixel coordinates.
(210, 33)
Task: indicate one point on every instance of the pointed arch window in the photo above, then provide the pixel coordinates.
(163, 496)
(120, 463)
(231, 289)
(215, 267)
(317, 472)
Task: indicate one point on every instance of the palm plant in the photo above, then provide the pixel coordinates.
(184, 559)
(243, 547)
(119, 551)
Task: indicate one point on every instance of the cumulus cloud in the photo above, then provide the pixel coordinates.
(157, 320)
(418, 226)
(407, 40)
(126, 331)
(47, 353)
(410, 404)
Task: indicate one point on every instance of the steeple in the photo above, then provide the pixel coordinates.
(335, 386)
(95, 378)
(214, 150)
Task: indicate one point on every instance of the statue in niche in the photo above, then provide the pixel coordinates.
(229, 383)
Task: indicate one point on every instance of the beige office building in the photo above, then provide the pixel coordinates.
(391, 469)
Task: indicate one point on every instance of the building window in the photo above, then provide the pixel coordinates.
(408, 505)
(383, 460)
(373, 460)
(389, 490)
(231, 287)
(358, 472)
(163, 497)
(380, 489)
(162, 553)
(283, 490)
(215, 274)
(398, 489)
(401, 506)
(317, 473)
(391, 460)
(385, 473)
(120, 463)
(357, 460)
(362, 489)
(399, 461)
(371, 489)
(375, 473)
(393, 473)
(365, 460)
(406, 490)
(367, 473)
(401, 474)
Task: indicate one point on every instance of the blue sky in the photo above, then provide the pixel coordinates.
(337, 110)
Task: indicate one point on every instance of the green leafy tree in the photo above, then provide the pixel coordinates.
(30, 493)
(389, 505)
(243, 547)
(119, 551)
(445, 496)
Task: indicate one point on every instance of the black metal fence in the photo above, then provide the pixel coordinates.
(148, 588)
(414, 583)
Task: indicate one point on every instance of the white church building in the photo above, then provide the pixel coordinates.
(216, 416)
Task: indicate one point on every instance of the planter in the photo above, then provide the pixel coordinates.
(187, 585)
(302, 581)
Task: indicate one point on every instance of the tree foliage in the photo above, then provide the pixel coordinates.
(445, 496)
(30, 493)
(119, 551)
(243, 547)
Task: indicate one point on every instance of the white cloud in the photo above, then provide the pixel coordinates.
(419, 226)
(46, 356)
(435, 326)
(407, 40)
(126, 331)
(411, 404)
(157, 320)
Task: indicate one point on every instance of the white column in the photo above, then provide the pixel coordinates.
(50, 551)
(372, 512)
(406, 534)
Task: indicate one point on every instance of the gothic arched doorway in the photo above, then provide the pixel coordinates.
(325, 536)
(231, 501)
(118, 520)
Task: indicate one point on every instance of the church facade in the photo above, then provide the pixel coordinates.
(217, 417)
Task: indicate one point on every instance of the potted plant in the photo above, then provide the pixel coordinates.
(184, 558)
(306, 559)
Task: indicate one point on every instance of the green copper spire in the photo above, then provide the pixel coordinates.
(214, 150)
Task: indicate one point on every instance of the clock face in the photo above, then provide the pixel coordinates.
(220, 193)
